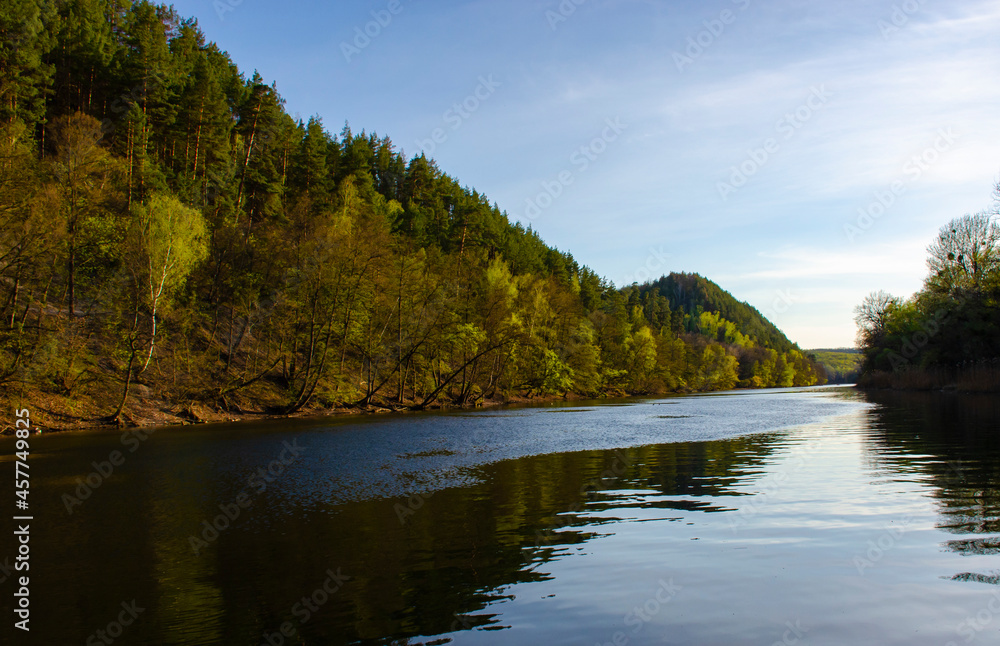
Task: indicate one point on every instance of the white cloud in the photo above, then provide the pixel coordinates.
(658, 184)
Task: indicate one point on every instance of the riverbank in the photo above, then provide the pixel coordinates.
(55, 412)
(509, 510)
(977, 378)
(58, 413)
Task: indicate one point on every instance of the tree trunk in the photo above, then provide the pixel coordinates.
(246, 159)
(116, 417)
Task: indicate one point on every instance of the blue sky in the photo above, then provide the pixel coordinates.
(800, 154)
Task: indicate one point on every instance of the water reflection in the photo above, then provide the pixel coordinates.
(952, 442)
(459, 552)
(756, 533)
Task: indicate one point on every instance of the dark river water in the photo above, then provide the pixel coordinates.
(815, 516)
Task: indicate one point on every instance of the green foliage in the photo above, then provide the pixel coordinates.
(27, 35)
(166, 221)
(953, 323)
(693, 294)
(843, 365)
(168, 241)
(718, 370)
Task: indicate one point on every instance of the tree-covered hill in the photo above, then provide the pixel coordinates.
(170, 238)
(843, 365)
(693, 294)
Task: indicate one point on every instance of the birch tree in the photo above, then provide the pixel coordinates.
(166, 240)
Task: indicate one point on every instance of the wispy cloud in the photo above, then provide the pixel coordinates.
(898, 258)
(892, 93)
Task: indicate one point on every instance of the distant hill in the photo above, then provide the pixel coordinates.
(699, 311)
(694, 294)
(843, 365)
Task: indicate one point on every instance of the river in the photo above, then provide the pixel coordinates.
(799, 516)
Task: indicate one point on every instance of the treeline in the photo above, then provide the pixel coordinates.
(167, 229)
(948, 333)
(843, 365)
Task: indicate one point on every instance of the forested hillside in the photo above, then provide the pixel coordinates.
(171, 237)
(842, 365)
